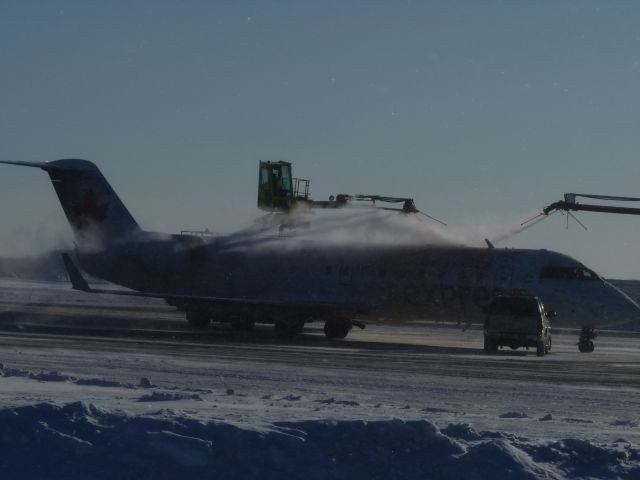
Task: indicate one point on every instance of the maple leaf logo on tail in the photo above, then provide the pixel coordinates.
(88, 211)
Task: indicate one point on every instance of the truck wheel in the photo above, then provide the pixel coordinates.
(198, 318)
(490, 346)
(540, 348)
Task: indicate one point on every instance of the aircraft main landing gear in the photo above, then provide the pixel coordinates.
(198, 318)
(288, 329)
(585, 342)
(337, 327)
(242, 324)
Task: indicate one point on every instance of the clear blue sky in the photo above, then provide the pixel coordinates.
(483, 111)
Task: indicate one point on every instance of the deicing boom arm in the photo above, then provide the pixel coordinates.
(569, 204)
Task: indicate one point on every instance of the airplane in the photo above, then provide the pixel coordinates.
(245, 279)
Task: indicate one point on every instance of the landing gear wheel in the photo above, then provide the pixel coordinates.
(548, 348)
(198, 318)
(490, 346)
(585, 342)
(286, 329)
(586, 346)
(337, 328)
(242, 325)
(541, 348)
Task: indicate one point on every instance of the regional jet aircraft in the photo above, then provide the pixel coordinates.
(243, 279)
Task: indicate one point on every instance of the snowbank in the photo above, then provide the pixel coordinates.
(79, 441)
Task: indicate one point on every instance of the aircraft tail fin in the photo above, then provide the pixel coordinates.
(96, 215)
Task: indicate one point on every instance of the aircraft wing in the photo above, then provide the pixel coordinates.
(79, 283)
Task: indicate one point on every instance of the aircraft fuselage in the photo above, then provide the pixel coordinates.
(371, 282)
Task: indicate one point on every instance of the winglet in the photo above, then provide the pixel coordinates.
(77, 280)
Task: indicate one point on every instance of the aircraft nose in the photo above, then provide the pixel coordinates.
(626, 308)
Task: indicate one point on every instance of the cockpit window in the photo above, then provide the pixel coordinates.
(568, 273)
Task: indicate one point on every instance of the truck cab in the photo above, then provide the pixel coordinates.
(517, 321)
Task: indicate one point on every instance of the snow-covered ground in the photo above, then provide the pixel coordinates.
(407, 401)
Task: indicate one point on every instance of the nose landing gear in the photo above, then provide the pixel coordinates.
(339, 327)
(585, 342)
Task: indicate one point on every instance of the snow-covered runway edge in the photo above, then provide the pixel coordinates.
(80, 440)
(119, 391)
